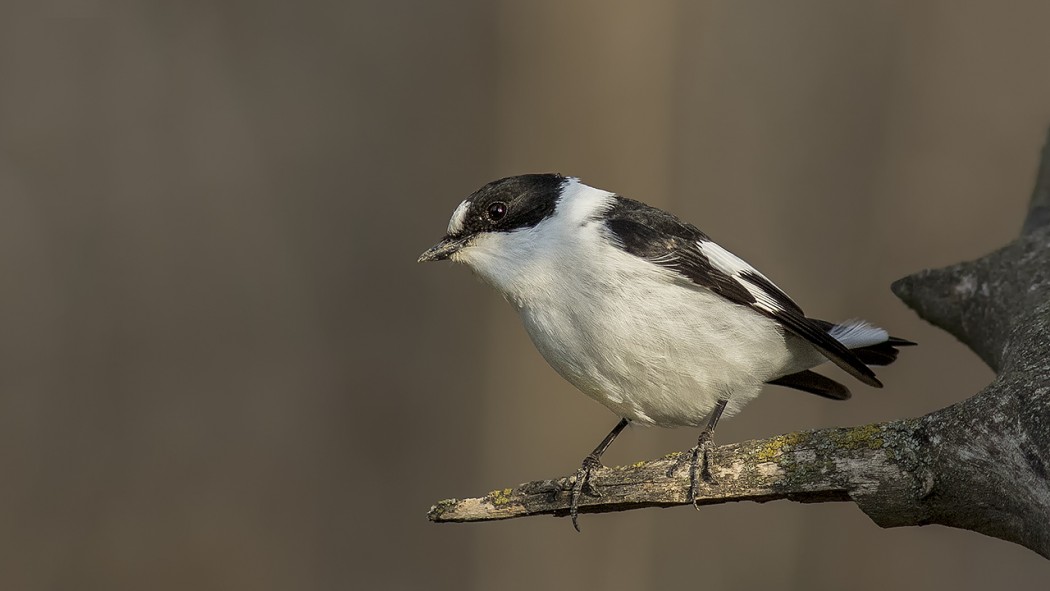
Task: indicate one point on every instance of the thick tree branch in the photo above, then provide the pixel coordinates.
(1039, 207)
(982, 464)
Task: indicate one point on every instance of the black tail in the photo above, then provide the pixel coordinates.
(883, 353)
(814, 383)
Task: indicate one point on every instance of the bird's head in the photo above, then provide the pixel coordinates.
(490, 230)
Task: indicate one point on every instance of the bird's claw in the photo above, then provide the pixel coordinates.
(583, 485)
(699, 460)
(700, 468)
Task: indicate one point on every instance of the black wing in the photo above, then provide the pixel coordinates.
(665, 240)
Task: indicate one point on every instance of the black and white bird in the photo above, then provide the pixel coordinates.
(643, 312)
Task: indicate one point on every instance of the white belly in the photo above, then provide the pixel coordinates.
(667, 359)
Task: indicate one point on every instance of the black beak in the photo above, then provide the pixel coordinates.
(442, 250)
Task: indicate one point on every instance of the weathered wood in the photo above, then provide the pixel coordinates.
(982, 464)
(814, 466)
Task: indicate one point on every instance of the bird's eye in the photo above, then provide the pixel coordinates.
(497, 210)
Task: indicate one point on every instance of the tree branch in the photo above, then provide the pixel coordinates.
(982, 464)
(809, 467)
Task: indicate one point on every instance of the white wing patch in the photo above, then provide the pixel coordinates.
(455, 225)
(723, 260)
(763, 301)
(735, 267)
(857, 333)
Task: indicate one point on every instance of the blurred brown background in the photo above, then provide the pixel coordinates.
(221, 367)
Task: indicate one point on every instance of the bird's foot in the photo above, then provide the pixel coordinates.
(583, 486)
(699, 460)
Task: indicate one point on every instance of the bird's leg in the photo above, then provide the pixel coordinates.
(590, 463)
(699, 457)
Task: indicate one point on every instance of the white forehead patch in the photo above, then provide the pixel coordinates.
(455, 225)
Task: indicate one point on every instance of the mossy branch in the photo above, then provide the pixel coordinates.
(812, 466)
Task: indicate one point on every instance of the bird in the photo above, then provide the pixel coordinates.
(645, 313)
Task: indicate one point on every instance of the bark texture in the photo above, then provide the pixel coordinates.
(981, 464)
